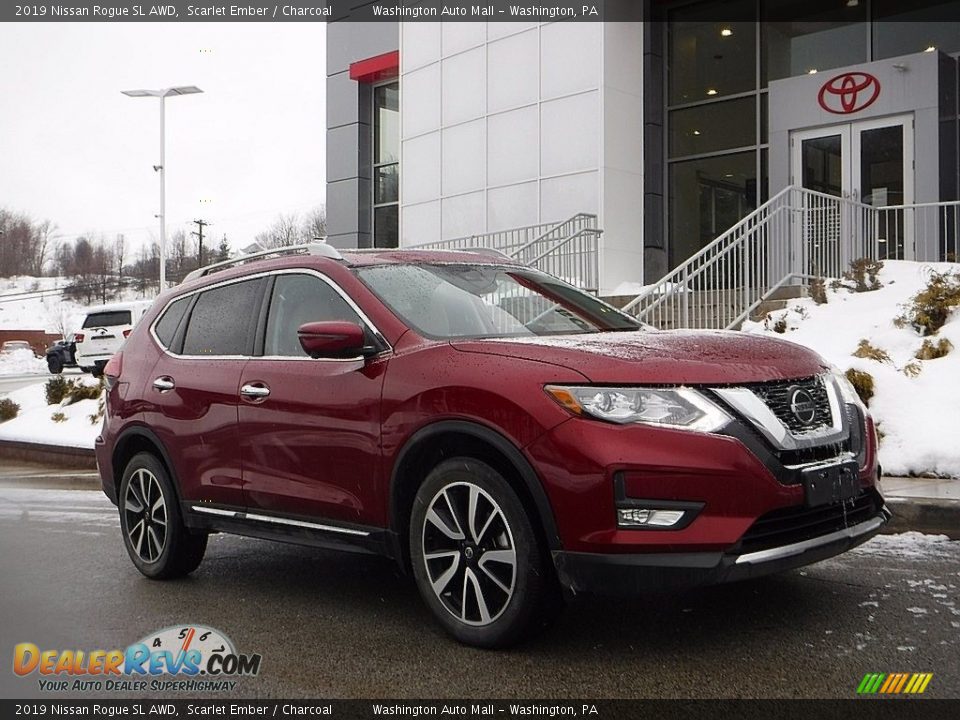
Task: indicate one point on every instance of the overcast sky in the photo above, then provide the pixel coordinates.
(75, 151)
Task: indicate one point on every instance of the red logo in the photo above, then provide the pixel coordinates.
(849, 93)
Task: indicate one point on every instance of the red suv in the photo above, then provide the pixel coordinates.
(504, 436)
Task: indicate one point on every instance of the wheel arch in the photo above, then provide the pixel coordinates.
(134, 440)
(449, 438)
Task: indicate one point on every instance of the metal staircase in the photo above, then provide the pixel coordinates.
(794, 237)
(568, 249)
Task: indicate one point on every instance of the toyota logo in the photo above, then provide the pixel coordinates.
(802, 406)
(849, 93)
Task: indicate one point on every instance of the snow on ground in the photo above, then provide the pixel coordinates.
(22, 307)
(35, 423)
(21, 362)
(917, 415)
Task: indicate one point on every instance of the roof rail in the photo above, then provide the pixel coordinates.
(492, 252)
(314, 248)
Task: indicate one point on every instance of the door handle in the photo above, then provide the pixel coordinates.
(255, 391)
(164, 383)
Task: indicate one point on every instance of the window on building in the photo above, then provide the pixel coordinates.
(905, 28)
(386, 165)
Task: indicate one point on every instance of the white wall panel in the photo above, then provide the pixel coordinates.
(512, 206)
(459, 36)
(570, 134)
(563, 196)
(421, 223)
(513, 76)
(513, 146)
(464, 79)
(463, 215)
(420, 101)
(464, 157)
(502, 29)
(570, 58)
(420, 44)
(420, 174)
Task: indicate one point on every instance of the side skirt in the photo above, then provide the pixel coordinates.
(294, 529)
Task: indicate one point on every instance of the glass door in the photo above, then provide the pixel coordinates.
(882, 176)
(863, 164)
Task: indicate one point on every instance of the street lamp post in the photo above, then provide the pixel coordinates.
(163, 93)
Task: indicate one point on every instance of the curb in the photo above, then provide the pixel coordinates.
(78, 458)
(932, 516)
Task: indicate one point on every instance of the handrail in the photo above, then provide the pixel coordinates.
(569, 220)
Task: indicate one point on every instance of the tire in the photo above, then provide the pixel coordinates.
(54, 365)
(160, 546)
(490, 604)
(86, 369)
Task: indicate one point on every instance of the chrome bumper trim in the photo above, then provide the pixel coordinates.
(785, 551)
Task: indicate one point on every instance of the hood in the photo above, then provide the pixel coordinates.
(670, 357)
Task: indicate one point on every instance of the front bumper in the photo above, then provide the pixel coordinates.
(635, 574)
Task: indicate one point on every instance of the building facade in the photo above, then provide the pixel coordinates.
(668, 130)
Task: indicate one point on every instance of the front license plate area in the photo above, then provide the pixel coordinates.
(832, 484)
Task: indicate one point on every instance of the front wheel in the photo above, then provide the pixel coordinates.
(158, 542)
(475, 555)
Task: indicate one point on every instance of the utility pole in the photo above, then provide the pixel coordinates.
(200, 226)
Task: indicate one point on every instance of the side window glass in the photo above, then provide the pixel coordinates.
(166, 328)
(299, 299)
(222, 320)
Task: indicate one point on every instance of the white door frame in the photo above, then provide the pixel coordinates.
(850, 148)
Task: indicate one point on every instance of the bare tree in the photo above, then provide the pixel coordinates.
(314, 224)
(284, 232)
(119, 250)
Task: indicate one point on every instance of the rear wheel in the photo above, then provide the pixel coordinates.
(54, 364)
(475, 555)
(158, 542)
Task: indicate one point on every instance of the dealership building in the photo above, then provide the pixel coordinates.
(664, 132)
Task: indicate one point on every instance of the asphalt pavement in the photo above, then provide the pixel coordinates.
(9, 383)
(342, 626)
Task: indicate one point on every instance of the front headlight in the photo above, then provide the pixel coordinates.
(848, 393)
(680, 408)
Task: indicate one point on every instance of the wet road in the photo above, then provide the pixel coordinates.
(333, 625)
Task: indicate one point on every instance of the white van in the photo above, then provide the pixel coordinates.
(103, 331)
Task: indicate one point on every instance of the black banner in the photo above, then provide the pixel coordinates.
(861, 709)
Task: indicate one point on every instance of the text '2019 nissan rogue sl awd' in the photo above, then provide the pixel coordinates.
(503, 436)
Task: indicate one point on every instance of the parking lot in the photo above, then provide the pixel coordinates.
(334, 625)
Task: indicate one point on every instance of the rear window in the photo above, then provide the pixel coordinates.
(222, 321)
(166, 328)
(110, 318)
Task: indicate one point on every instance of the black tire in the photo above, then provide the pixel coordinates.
(159, 550)
(54, 365)
(515, 602)
(86, 369)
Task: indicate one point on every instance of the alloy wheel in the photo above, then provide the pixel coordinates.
(469, 553)
(145, 509)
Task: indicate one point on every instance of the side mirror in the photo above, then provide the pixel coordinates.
(333, 339)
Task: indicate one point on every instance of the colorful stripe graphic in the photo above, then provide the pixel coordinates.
(894, 683)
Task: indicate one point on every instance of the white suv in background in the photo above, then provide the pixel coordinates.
(103, 331)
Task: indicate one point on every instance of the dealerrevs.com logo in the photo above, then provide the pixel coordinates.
(176, 658)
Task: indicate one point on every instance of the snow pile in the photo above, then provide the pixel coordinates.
(35, 422)
(915, 414)
(21, 362)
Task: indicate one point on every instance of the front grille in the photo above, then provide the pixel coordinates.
(796, 524)
(777, 395)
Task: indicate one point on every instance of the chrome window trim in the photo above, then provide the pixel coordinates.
(257, 517)
(254, 276)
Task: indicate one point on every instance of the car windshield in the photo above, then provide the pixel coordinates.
(457, 301)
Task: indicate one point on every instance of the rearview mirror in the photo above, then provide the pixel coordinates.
(331, 339)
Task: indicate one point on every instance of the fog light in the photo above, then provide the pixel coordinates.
(647, 517)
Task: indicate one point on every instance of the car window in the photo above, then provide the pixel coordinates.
(166, 328)
(110, 318)
(222, 320)
(299, 299)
